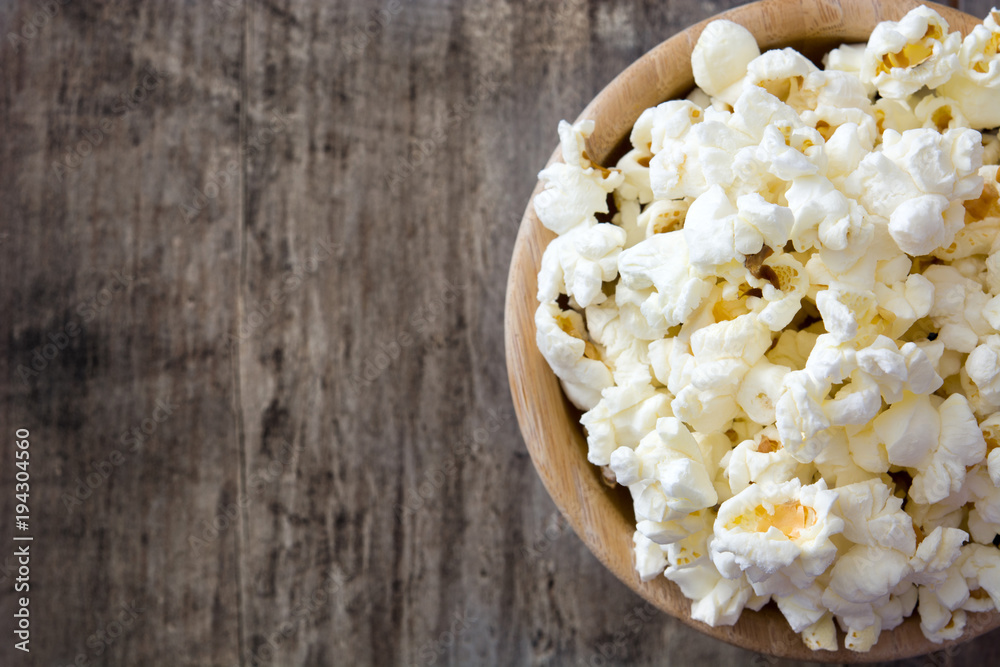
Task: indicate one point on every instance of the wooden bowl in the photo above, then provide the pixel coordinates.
(603, 517)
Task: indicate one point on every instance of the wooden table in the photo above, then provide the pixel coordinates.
(252, 271)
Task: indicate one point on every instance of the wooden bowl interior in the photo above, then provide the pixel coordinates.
(602, 517)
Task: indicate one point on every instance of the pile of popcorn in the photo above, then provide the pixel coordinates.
(785, 332)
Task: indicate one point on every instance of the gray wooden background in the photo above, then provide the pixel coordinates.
(252, 269)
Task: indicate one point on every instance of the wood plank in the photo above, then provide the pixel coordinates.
(158, 336)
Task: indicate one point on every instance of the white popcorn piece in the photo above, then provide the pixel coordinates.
(723, 603)
(760, 390)
(666, 473)
(907, 299)
(895, 115)
(692, 550)
(767, 527)
(985, 496)
(825, 218)
(671, 122)
(980, 565)
(666, 533)
(909, 430)
(662, 263)
(821, 635)
(940, 113)
(976, 84)
(936, 441)
(720, 58)
(848, 314)
(649, 558)
(896, 369)
(961, 444)
(702, 157)
(874, 517)
(758, 110)
(781, 299)
(802, 607)
(799, 415)
(782, 73)
(722, 353)
(759, 223)
(792, 349)
(760, 460)
(575, 189)
(622, 417)
(634, 167)
(958, 308)
(845, 148)
(925, 223)
(903, 56)
(833, 99)
(663, 216)
(561, 339)
(579, 262)
(845, 58)
(709, 231)
(983, 367)
(625, 355)
(834, 462)
(991, 435)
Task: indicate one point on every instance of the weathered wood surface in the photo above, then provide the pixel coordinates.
(311, 230)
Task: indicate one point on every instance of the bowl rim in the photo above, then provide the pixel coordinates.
(554, 438)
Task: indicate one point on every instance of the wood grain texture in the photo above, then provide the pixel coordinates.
(318, 225)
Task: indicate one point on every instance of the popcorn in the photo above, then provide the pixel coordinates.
(786, 341)
(958, 308)
(649, 558)
(622, 417)
(661, 263)
(767, 527)
(561, 339)
(579, 262)
(940, 113)
(664, 216)
(977, 81)
(903, 56)
(576, 189)
(983, 367)
(720, 58)
(666, 473)
(759, 461)
(782, 72)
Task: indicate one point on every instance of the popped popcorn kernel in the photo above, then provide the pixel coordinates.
(786, 341)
